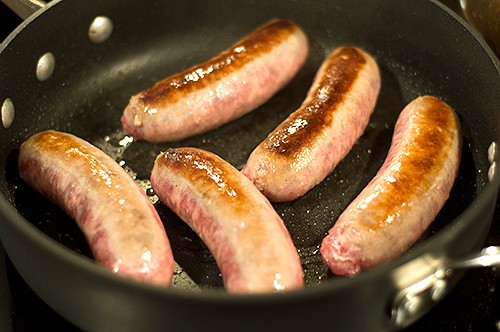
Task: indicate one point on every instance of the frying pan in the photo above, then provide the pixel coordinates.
(62, 70)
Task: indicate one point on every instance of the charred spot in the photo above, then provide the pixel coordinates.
(59, 143)
(431, 131)
(340, 73)
(173, 159)
(205, 171)
(261, 41)
(423, 164)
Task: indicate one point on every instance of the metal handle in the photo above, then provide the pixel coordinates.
(24, 8)
(489, 256)
(413, 301)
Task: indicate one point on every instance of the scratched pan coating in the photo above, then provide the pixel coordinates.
(92, 84)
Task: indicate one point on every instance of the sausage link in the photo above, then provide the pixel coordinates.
(220, 90)
(121, 225)
(247, 238)
(406, 194)
(310, 143)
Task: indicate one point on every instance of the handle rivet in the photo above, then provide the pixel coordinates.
(492, 151)
(45, 66)
(100, 29)
(8, 113)
(491, 171)
(438, 290)
(412, 305)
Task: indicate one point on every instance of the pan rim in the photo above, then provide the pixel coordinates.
(471, 30)
(25, 23)
(22, 225)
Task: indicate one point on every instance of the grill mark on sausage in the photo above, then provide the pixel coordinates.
(318, 111)
(263, 40)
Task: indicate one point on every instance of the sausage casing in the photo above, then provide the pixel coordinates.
(122, 227)
(406, 194)
(220, 90)
(246, 236)
(309, 144)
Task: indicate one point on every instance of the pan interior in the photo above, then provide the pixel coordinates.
(93, 83)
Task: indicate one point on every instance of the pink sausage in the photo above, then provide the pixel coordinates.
(119, 222)
(247, 238)
(310, 143)
(406, 194)
(220, 90)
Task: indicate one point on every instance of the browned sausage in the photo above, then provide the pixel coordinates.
(310, 143)
(119, 222)
(410, 188)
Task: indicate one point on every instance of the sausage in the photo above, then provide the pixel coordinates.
(122, 227)
(309, 144)
(220, 90)
(406, 194)
(246, 236)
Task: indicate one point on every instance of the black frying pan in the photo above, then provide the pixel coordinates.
(421, 49)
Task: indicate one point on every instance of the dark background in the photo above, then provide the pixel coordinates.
(474, 305)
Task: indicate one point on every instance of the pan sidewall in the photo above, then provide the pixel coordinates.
(96, 300)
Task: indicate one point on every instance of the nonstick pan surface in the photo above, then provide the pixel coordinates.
(421, 49)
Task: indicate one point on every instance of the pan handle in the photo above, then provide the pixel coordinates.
(420, 294)
(489, 256)
(24, 8)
